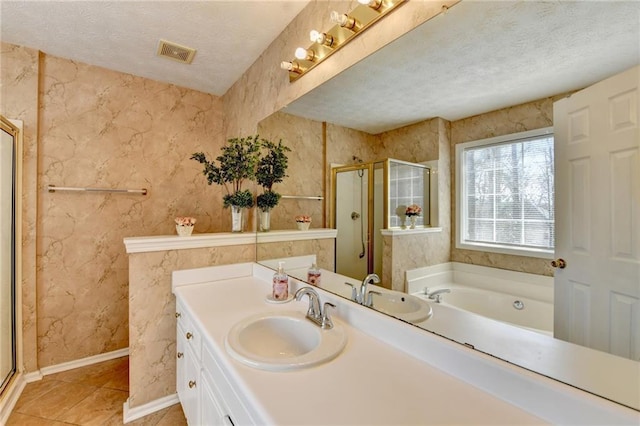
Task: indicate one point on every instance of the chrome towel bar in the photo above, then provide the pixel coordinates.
(302, 197)
(53, 188)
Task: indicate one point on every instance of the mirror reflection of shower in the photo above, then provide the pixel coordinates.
(351, 218)
(370, 197)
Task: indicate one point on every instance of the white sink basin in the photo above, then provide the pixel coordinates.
(403, 306)
(279, 341)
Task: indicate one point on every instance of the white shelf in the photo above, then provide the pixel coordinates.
(221, 239)
(397, 232)
(295, 235)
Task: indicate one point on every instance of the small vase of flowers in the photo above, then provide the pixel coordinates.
(413, 211)
(184, 225)
(303, 222)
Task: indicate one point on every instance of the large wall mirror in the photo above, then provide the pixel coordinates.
(481, 69)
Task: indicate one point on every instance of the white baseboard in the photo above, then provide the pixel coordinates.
(34, 376)
(12, 393)
(83, 362)
(130, 414)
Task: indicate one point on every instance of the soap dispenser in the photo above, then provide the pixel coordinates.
(280, 284)
(313, 275)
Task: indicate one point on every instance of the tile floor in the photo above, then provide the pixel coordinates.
(91, 395)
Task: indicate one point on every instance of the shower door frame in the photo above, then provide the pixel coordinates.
(13, 128)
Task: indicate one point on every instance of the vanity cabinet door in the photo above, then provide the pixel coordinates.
(229, 401)
(212, 411)
(187, 378)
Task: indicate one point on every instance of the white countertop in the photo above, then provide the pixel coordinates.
(389, 372)
(369, 383)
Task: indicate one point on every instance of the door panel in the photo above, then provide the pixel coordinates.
(598, 216)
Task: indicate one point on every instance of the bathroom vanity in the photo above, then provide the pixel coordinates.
(403, 375)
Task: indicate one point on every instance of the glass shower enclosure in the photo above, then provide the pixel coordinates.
(368, 198)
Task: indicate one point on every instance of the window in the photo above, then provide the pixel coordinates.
(505, 190)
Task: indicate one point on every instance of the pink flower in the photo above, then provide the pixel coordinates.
(303, 219)
(185, 221)
(413, 210)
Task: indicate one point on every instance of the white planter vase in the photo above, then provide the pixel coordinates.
(265, 220)
(237, 219)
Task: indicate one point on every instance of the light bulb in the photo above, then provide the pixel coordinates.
(321, 38)
(291, 67)
(345, 21)
(304, 54)
(316, 36)
(339, 18)
(286, 65)
(301, 53)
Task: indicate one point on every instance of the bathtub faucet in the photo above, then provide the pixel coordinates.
(436, 294)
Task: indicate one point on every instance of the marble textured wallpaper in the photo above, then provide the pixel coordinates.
(19, 72)
(519, 118)
(323, 249)
(429, 140)
(152, 308)
(104, 129)
(304, 138)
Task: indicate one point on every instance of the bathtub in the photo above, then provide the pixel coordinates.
(524, 300)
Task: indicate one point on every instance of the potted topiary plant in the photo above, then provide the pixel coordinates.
(271, 169)
(238, 163)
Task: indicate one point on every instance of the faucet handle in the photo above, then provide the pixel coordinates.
(354, 292)
(370, 298)
(327, 324)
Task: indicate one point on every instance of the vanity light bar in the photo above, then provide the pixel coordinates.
(347, 27)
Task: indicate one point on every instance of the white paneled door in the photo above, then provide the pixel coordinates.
(597, 139)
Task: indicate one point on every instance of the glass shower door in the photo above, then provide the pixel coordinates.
(352, 207)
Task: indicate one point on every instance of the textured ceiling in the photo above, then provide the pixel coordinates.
(480, 56)
(123, 35)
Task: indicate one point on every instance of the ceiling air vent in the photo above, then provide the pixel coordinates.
(176, 52)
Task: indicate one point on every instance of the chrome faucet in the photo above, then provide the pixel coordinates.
(436, 294)
(371, 278)
(360, 295)
(315, 313)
